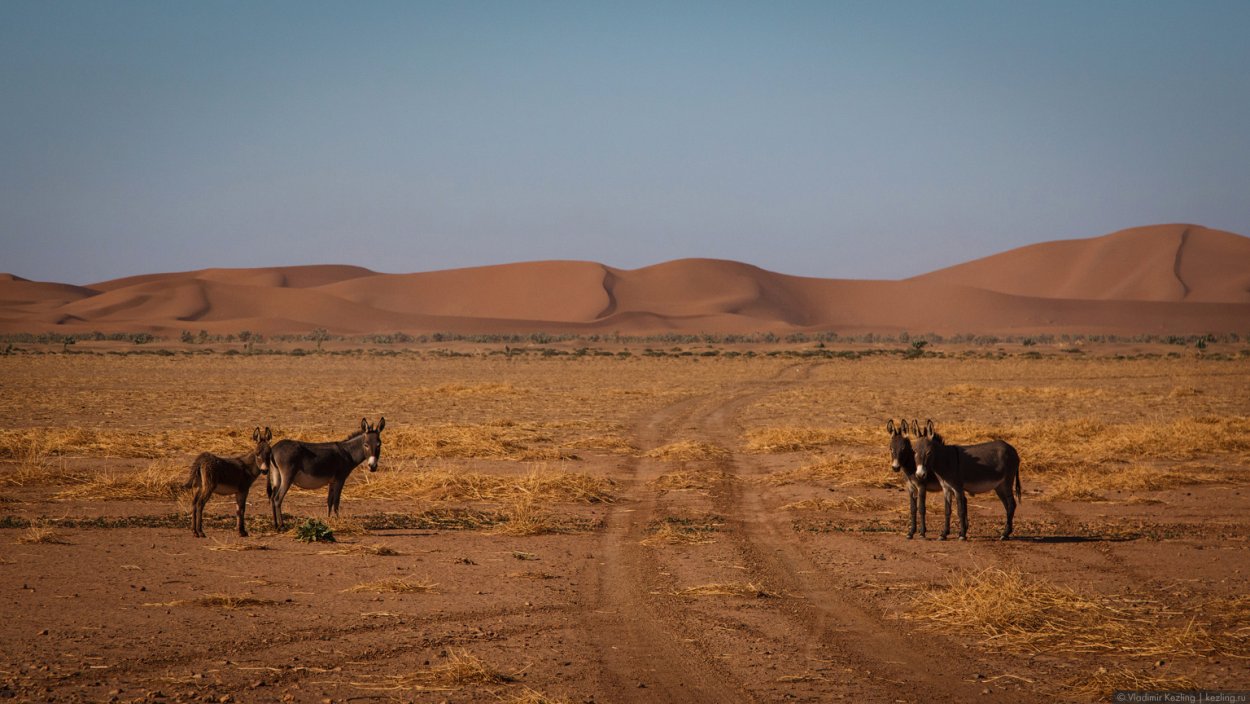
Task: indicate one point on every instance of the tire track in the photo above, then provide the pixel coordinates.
(829, 618)
(641, 657)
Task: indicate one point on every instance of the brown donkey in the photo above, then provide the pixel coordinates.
(968, 468)
(903, 459)
(211, 474)
(312, 465)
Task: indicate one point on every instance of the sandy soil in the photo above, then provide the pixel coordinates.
(597, 615)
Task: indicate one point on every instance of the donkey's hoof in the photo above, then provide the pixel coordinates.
(909, 536)
(963, 537)
(942, 537)
(1005, 536)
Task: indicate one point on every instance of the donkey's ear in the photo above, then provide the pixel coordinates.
(915, 428)
(364, 425)
(256, 434)
(381, 423)
(889, 427)
(928, 427)
(268, 434)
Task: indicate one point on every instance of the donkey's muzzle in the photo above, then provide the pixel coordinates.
(921, 472)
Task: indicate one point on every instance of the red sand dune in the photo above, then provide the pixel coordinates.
(1166, 279)
(1157, 263)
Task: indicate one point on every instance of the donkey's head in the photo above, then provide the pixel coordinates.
(373, 441)
(900, 445)
(264, 453)
(927, 444)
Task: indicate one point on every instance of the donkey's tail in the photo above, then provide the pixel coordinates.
(193, 479)
(1014, 458)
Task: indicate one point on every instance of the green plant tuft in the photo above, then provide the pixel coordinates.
(313, 530)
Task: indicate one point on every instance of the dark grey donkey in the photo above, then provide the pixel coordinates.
(312, 465)
(903, 459)
(973, 469)
(211, 474)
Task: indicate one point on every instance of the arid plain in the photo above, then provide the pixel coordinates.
(694, 524)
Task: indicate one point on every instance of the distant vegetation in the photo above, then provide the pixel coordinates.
(806, 345)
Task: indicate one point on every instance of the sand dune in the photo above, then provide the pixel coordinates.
(1157, 263)
(1165, 279)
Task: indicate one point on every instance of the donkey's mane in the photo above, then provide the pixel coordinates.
(353, 436)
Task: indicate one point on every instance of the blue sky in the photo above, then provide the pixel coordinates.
(834, 139)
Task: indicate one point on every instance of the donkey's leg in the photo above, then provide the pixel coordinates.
(240, 498)
(338, 495)
(273, 507)
(202, 495)
(1009, 505)
(332, 497)
(197, 513)
(922, 499)
(962, 500)
(911, 500)
(946, 499)
(271, 490)
(279, 494)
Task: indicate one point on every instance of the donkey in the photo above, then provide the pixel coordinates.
(903, 459)
(211, 474)
(968, 468)
(312, 465)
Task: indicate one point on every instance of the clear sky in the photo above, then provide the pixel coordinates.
(868, 139)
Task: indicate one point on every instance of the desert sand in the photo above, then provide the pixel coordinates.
(1163, 279)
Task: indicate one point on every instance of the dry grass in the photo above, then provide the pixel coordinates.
(683, 531)
(540, 483)
(1103, 683)
(532, 574)
(1003, 395)
(238, 546)
(395, 585)
(1090, 484)
(460, 389)
(376, 549)
(19, 443)
(34, 464)
(530, 696)
(41, 534)
(748, 590)
(230, 601)
(795, 439)
(159, 481)
(842, 503)
(1230, 624)
(506, 440)
(221, 601)
(524, 515)
(1077, 443)
(1010, 611)
(346, 526)
(462, 669)
(690, 451)
(691, 478)
(840, 470)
